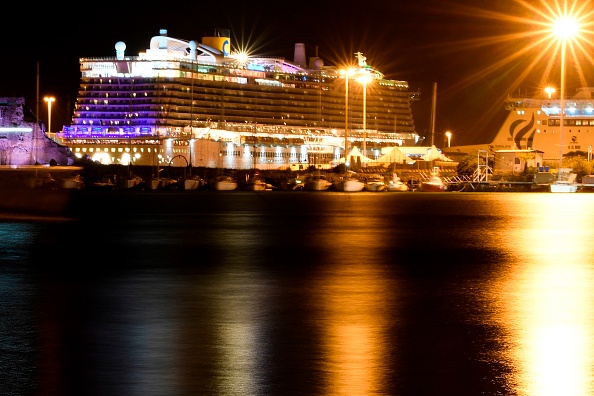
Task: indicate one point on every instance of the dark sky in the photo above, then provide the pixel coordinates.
(419, 41)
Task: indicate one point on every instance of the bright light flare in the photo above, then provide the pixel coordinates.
(241, 57)
(566, 28)
(523, 42)
(364, 79)
(347, 72)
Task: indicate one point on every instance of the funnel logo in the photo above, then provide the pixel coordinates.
(225, 48)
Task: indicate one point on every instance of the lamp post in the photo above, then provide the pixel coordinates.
(564, 28)
(364, 79)
(49, 100)
(449, 136)
(550, 91)
(346, 73)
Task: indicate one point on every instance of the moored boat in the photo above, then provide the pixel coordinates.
(256, 182)
(161, 183)
(131, 182)
(193, 183)
(434, 184)
(396, 185)
(375, 183)
(225, 183)
(348, 183)
(565, 182)
(317, 182)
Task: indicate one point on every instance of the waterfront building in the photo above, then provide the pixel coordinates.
(189, 103)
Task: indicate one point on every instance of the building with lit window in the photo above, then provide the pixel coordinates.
(533, 124)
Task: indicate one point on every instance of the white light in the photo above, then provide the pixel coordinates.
(49, 100)
(565, 28)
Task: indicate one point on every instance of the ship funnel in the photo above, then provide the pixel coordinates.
(220, 41)
(299, 55)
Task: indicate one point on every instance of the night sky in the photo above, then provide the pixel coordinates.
(466, 47)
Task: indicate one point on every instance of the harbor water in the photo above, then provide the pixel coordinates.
(301, 293)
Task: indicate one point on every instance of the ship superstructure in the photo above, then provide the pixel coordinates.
(187, 103)
(533, 124)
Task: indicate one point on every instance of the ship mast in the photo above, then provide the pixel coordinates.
(433, 106)
(34, 150)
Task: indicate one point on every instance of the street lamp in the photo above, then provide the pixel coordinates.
(49, 100)
(346, 73)
(550, 91)
(564, 28)
(449, 136)
(364, 79)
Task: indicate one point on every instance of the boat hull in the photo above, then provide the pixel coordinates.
(434, 184)
(432, 187)
(349, 185)
(563, 188)
(375, 183)
(225, 185)
(258, 186)
(317, 185)
(397, 187)
(375, 187)
(192, 184)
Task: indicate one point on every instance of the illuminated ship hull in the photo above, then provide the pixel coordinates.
(533, 123)
(185, 103)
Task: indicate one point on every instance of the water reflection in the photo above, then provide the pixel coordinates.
(544, 302)
(355, 304)
(237, 348)
(334, 294)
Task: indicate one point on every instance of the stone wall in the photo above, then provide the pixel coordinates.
(22, 142)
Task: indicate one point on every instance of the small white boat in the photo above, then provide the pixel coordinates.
(566, 182)
(225, 183)
(396, 185)
(349, 183)
(257, 183)
(193, 183)
(317, 183)
(161, 183)
(132, 182)
(375, 183)
(561, 187)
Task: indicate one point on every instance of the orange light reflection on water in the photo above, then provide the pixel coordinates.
(354, 300)
(544, 302)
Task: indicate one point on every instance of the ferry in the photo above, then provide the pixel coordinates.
(189, 103)
(533, 123)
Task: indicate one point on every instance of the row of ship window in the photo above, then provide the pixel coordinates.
(569, 121)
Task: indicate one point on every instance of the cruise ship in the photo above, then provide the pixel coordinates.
(533, 124)
(189, 103)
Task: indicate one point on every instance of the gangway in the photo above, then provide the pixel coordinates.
(483, 170)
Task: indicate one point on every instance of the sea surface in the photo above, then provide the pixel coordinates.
(301, 293)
